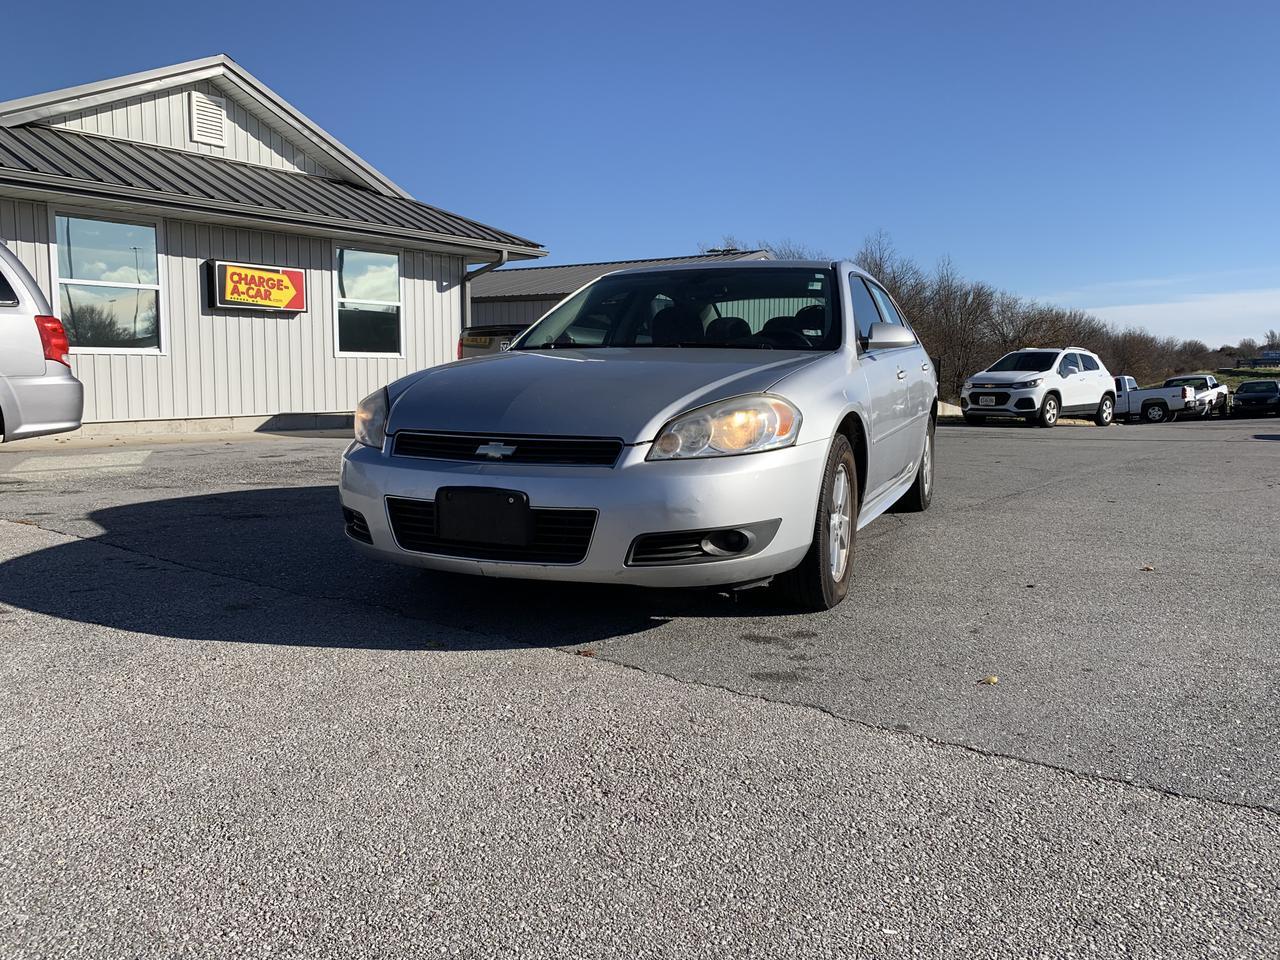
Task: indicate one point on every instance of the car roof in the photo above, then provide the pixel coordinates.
(740, 265)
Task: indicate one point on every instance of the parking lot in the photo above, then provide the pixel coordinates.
(226, 733)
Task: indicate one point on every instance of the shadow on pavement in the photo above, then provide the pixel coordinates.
(285, 573)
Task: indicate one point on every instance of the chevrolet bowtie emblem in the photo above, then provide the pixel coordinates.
(495, 450)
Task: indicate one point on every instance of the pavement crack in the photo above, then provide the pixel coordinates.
(940, 742)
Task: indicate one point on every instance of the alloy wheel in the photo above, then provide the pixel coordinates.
(840, 524)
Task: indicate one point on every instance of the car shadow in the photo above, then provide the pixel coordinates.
(274, 566)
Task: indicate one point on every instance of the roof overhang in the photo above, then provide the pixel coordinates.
(221, 69)
(43, 187)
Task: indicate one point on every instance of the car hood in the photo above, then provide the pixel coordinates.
(618, 392)
(1007, 376)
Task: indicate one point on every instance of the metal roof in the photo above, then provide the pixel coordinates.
(543, 283)
(220, 69)
(42, 158)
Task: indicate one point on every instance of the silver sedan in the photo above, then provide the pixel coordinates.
(677, 426)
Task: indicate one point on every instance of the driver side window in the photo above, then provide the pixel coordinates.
(865, 312)
(887, 308)
(1068, 360)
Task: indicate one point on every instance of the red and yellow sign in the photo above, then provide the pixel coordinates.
(250, 286)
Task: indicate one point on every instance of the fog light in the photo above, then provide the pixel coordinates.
(725, 543)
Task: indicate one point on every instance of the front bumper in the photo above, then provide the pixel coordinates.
(1008, 402)
(634, 497)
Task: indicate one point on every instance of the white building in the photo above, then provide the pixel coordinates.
(213, 253)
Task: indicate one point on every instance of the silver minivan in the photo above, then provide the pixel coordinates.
(38, 392)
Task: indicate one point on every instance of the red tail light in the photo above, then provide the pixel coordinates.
(1188, 393)
(54, 338)
(459, 348)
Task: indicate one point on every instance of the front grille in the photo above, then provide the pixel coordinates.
(509, 448)
(559, 536)
(356, 527)
(1002, 398)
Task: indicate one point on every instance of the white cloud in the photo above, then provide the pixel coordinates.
(1215, 318)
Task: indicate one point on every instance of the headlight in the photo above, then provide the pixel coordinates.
(371, 420)
(1028, 384)
(741, 425)
(968, 384)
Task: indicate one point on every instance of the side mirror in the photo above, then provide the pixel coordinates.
(885, 336)
(1071, 370)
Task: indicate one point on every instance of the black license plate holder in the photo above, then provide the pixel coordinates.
(484, 515)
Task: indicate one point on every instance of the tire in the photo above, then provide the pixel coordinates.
(1050, 410)
(814, 584)
(918, 498)
(1155, 413)
(1106, 414)
(973, 420)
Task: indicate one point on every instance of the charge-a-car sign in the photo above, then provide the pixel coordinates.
(251, 286)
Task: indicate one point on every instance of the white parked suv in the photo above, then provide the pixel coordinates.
(38, 393)
(1040, 385)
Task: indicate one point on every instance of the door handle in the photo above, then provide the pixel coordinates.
(902, 374)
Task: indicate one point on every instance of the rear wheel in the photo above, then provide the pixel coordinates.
(1106, 412)
(920, 495)
(822, 579)
(1049, 410)
(1155, 413)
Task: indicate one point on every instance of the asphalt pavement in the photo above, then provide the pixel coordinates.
(226, 734)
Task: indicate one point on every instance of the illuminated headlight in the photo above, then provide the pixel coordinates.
(1028, 384)
(741, 425)
(371, 420)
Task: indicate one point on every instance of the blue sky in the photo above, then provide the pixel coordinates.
(1119, 157)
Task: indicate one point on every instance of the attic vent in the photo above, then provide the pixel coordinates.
(208, 119)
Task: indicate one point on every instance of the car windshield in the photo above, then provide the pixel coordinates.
(1034, 361)
(771, 308)
(1259, 386)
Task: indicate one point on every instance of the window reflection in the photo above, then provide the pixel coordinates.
(100, 316)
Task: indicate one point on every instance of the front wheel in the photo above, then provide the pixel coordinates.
(920, 495)
(822, 579)
(1049, 411)
(1106, 412)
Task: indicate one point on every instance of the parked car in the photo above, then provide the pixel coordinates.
(1211, 396)
(1039, 386)
(671, 426)
(1155, 404)
(494, 338)
(38, 393)
(1256, 398)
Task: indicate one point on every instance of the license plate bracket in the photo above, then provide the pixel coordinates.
(484, 515)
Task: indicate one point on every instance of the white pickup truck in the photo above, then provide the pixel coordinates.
(1211, 396)
(1156, 404)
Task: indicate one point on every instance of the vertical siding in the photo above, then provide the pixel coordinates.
(24, 229)
(162, 118)
(243, 363)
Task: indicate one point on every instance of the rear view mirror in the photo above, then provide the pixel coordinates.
(883, 336)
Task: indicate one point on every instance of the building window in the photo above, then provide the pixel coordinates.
(368, 302)
(108, 283)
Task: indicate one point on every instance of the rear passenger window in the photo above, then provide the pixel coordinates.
(864, 307)
(1089, 362)
(7, 297)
